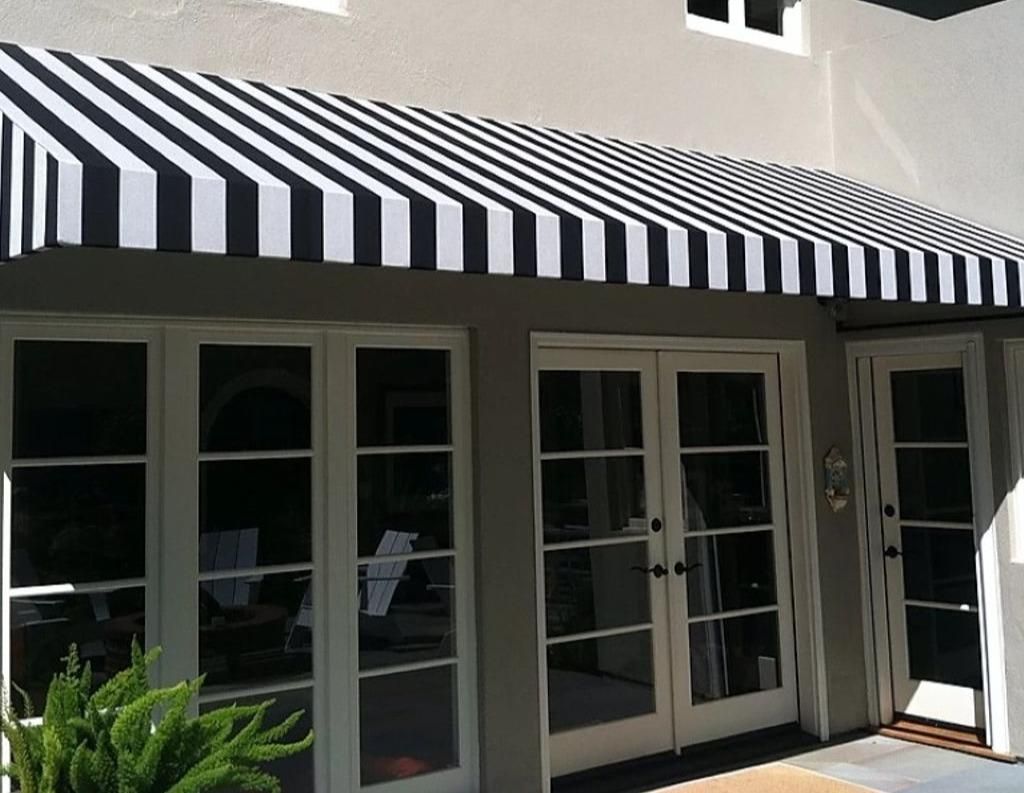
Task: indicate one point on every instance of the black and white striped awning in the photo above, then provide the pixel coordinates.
(100, 152)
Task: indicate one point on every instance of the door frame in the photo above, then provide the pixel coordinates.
(859, 357)
(800, 504)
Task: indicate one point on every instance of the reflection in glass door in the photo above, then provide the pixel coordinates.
(928, 538)
(603, 563)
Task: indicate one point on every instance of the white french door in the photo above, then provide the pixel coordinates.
(666, 597)
(926, 523)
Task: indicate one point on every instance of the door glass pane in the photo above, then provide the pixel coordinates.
(101, 624)
(75, 398)
(765, 15)
(406, 612)
(295, 772)
(594, 681)
(721, 409)
(726, 490)
(254, 398)
(592, 498)
(402, 397)
(934, 484)
(595, 588)
(928, 406)
(256, 628)
(738, 655)
(253, 513)
(737, 571)
(76, 524)
(712, 9)
(944, 646)
(408, 724)
(404, 503)
(590, 411)
(938, 565)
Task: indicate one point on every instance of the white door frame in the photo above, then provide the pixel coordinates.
(800, 503)
(876, 641)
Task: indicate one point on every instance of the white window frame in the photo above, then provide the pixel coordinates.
(1013, 356)
(172, 557)
(794, 27)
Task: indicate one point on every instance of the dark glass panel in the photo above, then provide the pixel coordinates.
(593, 498)
(765, 15)
(254, 398)
(738, 655)
(295, 772)
(402, 397)
(256, 629)
(595, 681)
(79, 398)
(404, 503)
(74, 524)
(721, 409)
(254, 513)
(938, 565)
(944, 646)
(408, 724)
(406, 612)
(935, 484)
(712, 9)
(102, 625)
(726, 490)
(737, 571)
(928, 406)
(590, 411)
(595, 588)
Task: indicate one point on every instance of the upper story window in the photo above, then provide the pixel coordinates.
(771, 23)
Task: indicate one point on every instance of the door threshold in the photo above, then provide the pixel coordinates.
(943, 736)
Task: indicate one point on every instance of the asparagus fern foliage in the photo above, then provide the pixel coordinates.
(111, 742)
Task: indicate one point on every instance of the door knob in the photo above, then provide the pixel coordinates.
(889, 510)
(656, 525)
(657, 571)
(892, 552)
(682, 569)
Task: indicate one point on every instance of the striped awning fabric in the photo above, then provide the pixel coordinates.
(101, 152)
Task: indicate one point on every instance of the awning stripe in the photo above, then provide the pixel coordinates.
(100, 152)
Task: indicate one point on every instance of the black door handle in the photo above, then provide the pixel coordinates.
(892, 552)
(889, 510)
(682, 569)
(657, 571)
(656, 525)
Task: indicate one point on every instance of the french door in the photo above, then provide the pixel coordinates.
(927, 529)
(666, 595)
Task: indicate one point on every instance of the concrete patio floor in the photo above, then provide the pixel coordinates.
(874, 763)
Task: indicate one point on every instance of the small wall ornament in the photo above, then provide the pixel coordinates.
(837, 480)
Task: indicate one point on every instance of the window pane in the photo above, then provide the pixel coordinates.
(404, 503)
(595, 681)
(935, 484)
(256, 629)
(721, 409)
(406, 612)
(402, 397)
(737, 571)
(713, 9)
(254, 513)
(734, 656)
(594, 588)
(253, 398)
(592, 498)
(929, 406)
(938, 565)
(726, 490)
(408, 724)
(74, 524)
(590, 410)
(944, 646)
(765, 15)
(79, 398)
(295, 772)
(102, 625)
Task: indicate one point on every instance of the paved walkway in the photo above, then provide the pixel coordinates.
(876, 763)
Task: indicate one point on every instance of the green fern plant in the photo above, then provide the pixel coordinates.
(111, 742)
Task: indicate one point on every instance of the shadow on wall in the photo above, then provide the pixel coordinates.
(932, 9)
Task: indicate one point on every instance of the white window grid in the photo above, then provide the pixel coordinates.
(793, 38)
